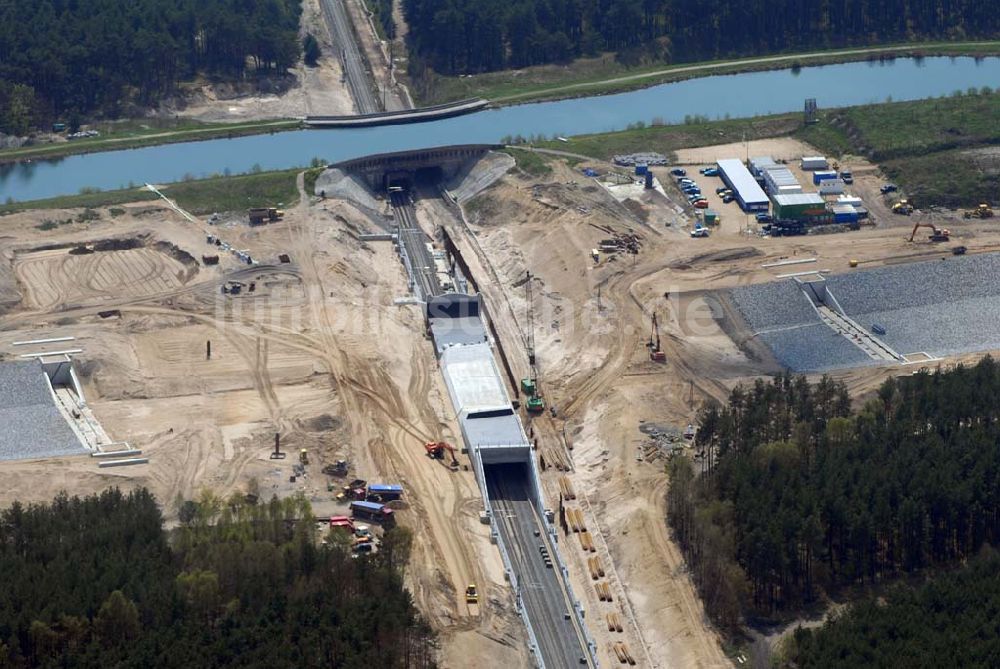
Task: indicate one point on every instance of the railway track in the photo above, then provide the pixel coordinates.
(355, 67)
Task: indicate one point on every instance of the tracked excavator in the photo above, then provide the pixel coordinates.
(437, 449)
(937, 234)
(656, 354)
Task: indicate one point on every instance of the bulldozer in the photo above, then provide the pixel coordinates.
(903, 207)
(436, 451)
(338, 468)
(937, 234)
(982, 211)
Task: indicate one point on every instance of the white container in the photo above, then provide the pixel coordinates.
(831, 186)
(814, 163)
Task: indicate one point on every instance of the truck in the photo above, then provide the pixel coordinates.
(847, 176)
(374, 512)
(384, 492)
(342, 522)
(262, 215)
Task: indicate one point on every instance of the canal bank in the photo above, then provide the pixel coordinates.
(733, 96)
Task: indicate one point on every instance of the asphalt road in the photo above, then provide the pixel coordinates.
(350, 56)
(543, 592)
(414, 241)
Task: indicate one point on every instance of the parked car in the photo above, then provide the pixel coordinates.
(763, 218)
(889, 188)
(691, 189)
(710, 171)
(721, 190)
(678, 172)
(699, 231)
(701, 204)
(727, 198)
(692, 197)
(686, 182)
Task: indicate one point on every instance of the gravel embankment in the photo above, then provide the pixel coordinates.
(32, 425)
(814, 348)
(941, 307)
(774, 305)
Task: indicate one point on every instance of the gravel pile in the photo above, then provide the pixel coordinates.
(32, 425)
(814, 348)
(774, 305)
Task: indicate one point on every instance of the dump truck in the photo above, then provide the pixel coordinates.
(384, 492)
(373, 511)
(261, 215)
(982, 211)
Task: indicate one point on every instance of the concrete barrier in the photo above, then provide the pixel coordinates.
(122, 463)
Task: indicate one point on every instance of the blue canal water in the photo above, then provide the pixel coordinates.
(736, 96)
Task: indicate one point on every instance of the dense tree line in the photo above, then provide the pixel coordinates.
(481, 35)
(97, 582)
(60, 57)
(951, 621)
(799, 493)
(382, 9)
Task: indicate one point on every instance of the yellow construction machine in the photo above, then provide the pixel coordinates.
(982, 211)
(903, 207)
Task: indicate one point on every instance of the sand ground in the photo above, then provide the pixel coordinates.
(324, 353)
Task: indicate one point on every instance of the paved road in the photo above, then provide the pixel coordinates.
(350, 57)
(543, 592)
(414, 241)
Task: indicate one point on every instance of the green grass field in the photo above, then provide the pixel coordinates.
(942, 151)
(206, 196)
(668, 138)
(202, 196)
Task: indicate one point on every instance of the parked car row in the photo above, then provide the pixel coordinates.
(690, 189)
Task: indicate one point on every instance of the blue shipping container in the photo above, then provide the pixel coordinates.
(385, 488)
(820, 176)
(641, 169)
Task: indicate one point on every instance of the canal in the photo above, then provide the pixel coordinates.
(734, 96)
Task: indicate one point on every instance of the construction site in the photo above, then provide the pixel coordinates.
(502, 363)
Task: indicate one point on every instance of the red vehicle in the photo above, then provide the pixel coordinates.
(701, 204)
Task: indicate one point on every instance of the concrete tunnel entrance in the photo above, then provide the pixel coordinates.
(408, 169)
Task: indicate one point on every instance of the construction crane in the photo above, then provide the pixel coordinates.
(937, 234)
(535, 403)
(436, 451)
(655, 353)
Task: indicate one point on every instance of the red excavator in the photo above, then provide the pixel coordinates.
(655, 353)
(937, 234)
(436, 450)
